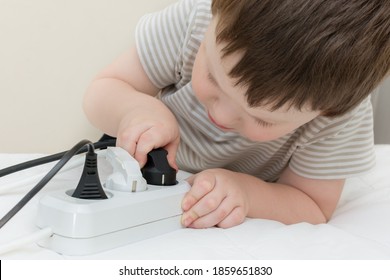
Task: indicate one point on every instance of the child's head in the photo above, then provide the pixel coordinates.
(325, 54)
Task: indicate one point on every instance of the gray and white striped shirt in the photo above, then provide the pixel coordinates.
(325, 148)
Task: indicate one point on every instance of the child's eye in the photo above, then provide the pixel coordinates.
(263, 123)
(211, 79)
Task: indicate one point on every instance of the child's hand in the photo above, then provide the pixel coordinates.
(216, 198)
(149, 130)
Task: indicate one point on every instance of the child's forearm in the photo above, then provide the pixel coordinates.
(108, 100)
(281, 202)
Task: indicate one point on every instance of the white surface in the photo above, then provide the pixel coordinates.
(360, 228)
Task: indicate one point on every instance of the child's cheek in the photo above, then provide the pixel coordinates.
(200, 88)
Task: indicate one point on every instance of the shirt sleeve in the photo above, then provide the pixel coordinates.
(338, 148)
(160, 38)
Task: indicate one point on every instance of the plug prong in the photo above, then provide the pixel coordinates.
(134, 186)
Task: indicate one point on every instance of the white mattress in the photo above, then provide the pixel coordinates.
(359, 229)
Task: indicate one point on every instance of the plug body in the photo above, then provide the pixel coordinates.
(126, 174)
(89, 186)
(157, 170)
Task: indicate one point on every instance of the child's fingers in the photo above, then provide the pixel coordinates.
(211, 205)
(201, 184)
(172, 150)
(235, 217)
(129, 138)
(151, 139)
(202, 197)
(221, 209)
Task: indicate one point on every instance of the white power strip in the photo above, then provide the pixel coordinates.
(82, 227)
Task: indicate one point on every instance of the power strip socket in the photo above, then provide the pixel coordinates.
(83, 227)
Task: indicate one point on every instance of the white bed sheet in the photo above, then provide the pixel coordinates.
(359, 229)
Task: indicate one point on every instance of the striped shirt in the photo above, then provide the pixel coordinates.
(325, 148)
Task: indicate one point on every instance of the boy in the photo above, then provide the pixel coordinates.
(267, 102)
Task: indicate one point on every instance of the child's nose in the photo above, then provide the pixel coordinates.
(226, 113)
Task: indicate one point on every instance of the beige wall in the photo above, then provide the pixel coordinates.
(381, 104)
(49, 51)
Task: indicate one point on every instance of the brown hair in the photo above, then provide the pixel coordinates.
(329, 55)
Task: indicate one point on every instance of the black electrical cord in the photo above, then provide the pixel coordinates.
(78, 148)
(101, 144)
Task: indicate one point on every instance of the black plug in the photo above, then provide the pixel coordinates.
(157, 170)
(89, 186)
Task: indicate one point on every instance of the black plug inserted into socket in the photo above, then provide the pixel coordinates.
(157, 170)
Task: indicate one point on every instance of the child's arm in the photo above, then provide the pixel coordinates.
(224, 198)
(121, 102)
